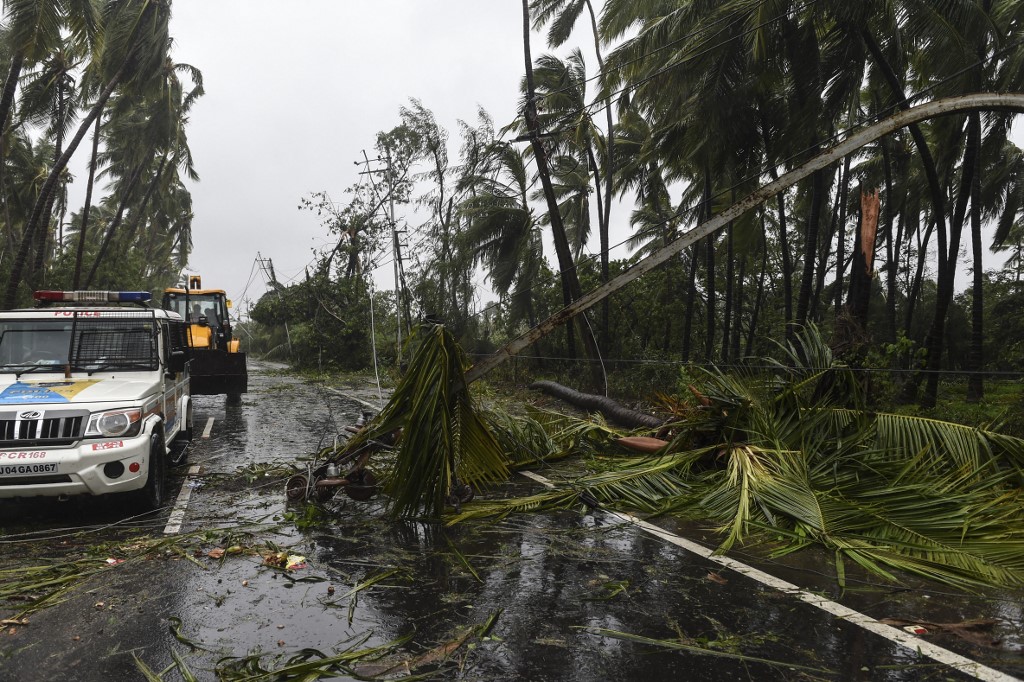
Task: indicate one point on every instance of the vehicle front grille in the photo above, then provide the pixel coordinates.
(46, 430)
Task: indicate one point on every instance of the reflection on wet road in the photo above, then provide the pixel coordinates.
(577, 595)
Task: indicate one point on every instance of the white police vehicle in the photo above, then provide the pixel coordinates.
(94, 397)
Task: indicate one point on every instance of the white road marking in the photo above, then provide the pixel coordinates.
(209, 428)
(369, 406)
(904, 639)
(178, 513)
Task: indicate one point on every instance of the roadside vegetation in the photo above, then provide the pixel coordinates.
(683, 109)
(859, 396)
(789, 455)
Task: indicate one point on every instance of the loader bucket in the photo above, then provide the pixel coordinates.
(215, 372)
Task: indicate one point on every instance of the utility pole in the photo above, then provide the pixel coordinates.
(397, 244)
(267, 268)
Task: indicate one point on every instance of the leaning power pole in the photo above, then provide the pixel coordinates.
(397, 237)
(267, 268)
(402, 308)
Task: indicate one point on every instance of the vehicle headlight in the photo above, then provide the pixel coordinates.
(115, 423)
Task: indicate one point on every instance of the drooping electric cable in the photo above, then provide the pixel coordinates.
(373, 345)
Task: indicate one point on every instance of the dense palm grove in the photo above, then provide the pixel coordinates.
(95, 81)
(687, 107)
(690, 106)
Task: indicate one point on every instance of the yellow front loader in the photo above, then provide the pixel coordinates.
(218, 366)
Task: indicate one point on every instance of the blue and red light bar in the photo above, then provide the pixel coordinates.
(93, 296)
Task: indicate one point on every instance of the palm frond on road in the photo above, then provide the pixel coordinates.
(793, 456)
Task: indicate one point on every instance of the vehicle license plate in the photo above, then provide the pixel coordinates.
(28, 469)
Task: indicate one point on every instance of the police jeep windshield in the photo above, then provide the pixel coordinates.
(81, 341)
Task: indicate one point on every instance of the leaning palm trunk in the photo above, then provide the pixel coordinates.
(946, 106)
(7, 97)
(129, 194)
(80, 253)
(443, 442)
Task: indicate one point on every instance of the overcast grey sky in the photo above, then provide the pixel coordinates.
(296, 90)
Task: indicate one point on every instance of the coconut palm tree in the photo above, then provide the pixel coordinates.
(128, 155)
(852, 143)
(49, 97)
(501, 229)
(561, 88)
(167, 243)
(27, 162)
(134, 44)
(942, 32)
(90, 184)
(562, 16)
(790, 56)
(693, 75)
(567, 268)
(145, 138)
(35, 29)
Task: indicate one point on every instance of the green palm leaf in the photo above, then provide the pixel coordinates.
(443, 441)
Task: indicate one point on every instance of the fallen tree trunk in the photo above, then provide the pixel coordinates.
(623, 416)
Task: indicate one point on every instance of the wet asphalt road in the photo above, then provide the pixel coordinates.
(564, 589)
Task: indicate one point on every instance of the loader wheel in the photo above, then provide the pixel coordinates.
(234, 399)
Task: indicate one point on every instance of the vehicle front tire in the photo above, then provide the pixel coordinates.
(188, 433)
(180, 446)
(153, 495)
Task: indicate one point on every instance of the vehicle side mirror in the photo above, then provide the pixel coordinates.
(176, 363)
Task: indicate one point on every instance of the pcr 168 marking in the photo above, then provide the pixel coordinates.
(34, 454)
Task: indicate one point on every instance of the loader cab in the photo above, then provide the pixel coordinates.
(206, 311)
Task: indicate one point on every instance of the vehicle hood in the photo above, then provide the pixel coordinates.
(40, 391)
